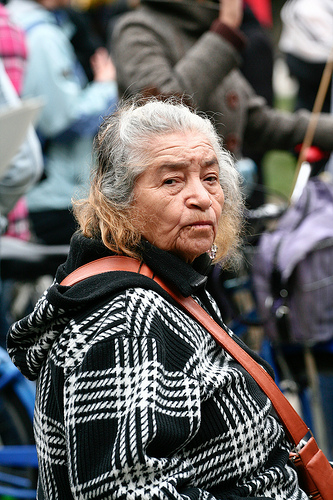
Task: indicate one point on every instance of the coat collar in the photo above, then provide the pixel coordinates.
(189, 279)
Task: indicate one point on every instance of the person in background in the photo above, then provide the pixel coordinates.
(258, 53)
(85, 38)
(103, 14)
(135, 399)
(257, 67)
(262, 9)
(71, 115)
(26, 166)
(21, 174)
(195, 48)
(307, 42)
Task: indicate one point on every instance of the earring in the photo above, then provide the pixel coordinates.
(212, 252)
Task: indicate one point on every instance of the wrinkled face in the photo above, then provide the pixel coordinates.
(178, 199)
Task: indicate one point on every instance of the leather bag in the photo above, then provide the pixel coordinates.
(314, 471)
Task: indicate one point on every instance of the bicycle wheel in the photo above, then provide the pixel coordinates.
(15, 431)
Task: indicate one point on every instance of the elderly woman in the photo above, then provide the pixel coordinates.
(135, 399)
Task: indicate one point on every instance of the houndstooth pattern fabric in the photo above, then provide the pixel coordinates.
(137, 401)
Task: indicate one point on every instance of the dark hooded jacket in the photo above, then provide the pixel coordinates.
(135, 400)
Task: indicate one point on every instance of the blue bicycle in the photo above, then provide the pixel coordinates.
(18, 458)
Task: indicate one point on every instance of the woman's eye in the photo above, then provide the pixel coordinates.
(169, 181)
(211, 178)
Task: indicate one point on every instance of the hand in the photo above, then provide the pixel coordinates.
(102, 66)
(231, 13)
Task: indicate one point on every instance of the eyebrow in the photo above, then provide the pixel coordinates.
(173, 165)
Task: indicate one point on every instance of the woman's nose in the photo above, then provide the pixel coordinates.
(198, 196)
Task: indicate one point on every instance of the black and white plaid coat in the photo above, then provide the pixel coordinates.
(135, 400)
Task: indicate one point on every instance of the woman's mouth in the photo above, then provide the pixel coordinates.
(203, 223)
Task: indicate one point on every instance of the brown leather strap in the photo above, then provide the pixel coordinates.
(294, 426)
(105, 265)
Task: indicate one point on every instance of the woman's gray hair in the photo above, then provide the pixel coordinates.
(122, 149)
(123, 144)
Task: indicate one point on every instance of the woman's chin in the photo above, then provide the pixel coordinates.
(190, 253)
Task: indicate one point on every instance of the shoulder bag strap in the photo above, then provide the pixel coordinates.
(294, 426)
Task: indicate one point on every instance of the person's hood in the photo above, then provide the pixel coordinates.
(194, 17)
(30, 339)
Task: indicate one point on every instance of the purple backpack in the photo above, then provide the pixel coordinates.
(293, 270)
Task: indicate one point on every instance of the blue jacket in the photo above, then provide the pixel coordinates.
(73, 107)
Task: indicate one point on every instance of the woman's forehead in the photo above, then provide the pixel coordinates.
(180, 152)
(181, 145)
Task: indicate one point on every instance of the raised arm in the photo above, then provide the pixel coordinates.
(153, 55)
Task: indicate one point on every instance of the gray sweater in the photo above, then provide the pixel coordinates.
(177, 47)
